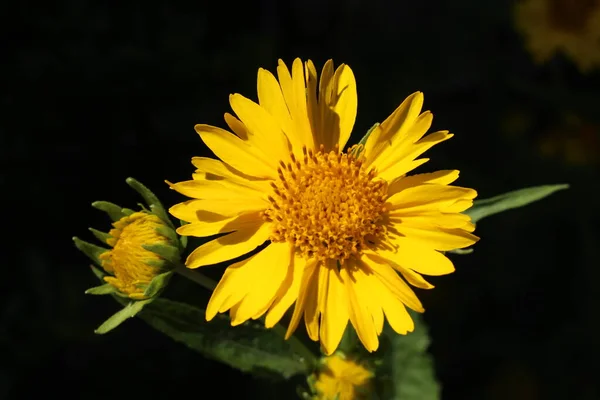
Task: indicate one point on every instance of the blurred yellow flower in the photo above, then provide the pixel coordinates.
(337, 226)
(571, 27)
(341, 379)
(129, 264)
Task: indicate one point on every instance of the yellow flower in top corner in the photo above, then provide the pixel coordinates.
(342, 231)
(128, 262)
(568, 26)
(340, 379)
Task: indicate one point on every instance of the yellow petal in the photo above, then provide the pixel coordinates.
(229, 246)
(443, 177)
(271, 99)
(265, 273)
(334, 310)
(237, 153)
(358, 295)
(327, 124)
(217, 170)
(391, 306)
(288, 292)
(311, 305)
(208, 228)
(396, 285)
(236, 126)
(217, 189)
(432, 220)
(310, 73)
(345, 102)
(294, 92)
(416, 256)
(428, 197)
(403, 162)
(307, 282)
(393, 128)
(435, 238)
(264, 132)
(404, 140)
(190, 211)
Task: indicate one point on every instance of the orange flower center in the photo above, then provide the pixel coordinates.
(327, 205)
(570, 15)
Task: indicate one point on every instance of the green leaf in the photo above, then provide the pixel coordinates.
(91, 250)
(103, 289)
(129, 311)
(158, 283)
(409, 366)
(100, 274)
(507, 201)
(101, 236)
(169, 253)
(114, 211)
(248, 347)
(150, 198)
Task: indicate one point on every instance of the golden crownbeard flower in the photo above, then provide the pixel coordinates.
(340, 379)
(567, 26)
(334, 228)
(129, 263)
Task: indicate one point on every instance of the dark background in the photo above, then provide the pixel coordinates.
(93, 93)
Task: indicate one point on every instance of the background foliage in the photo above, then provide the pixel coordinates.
(94, 93)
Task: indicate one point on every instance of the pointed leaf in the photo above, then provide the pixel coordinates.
(101, 236)
(248, 347)
(158, 283)
(100, 274)
(129, 311)
(150, 198)
(518, 198)
(167, 252)
(90, 250)
(101, 290)
(114, 211)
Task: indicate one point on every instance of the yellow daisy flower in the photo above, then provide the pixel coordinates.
(337, 227)
(567, 26)
(340, 379)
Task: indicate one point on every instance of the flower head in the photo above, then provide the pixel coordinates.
(340, 379)
(144, 248)
(338, 225)
(129, 263)
(561, 26)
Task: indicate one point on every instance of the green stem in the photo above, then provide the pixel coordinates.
(307, 357)
(196, 277)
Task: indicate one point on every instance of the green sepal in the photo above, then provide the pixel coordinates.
(183, 239)
(169, 253)
(101, 236)
(114, 211)
(507, 201)
(91, 250)
(129, 311)
(158, 283)
(150, 198)
(128, 211)
(102, 290)
(100, 274)
(160, 264)
(168, 233)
